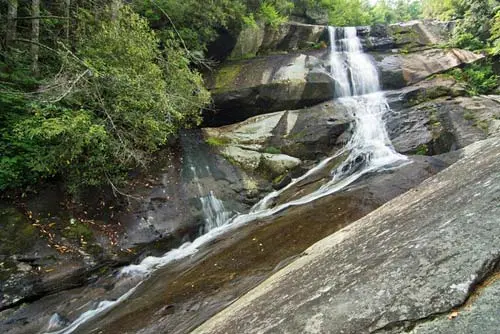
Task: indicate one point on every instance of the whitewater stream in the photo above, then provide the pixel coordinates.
(369, 149)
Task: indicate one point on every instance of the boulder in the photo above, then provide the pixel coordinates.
(288, 37)
(402, 267)
(399, 70)
(245, 88)
(444, 124)
(307, 134)
(406, 35)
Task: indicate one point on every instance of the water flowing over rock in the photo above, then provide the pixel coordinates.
(299, 109)
(408, 254)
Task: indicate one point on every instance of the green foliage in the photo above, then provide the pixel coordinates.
(269, 14)
(347, 12)
(197, 22)
(495, 34)
(476, 25)
(117, 99)
(272, 150)
(422, 149)
(55, 141)
(78, 231)
(478, 78)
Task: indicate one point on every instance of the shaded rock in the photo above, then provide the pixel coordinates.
(476, 316)
(288, 37)
(399, 70)
(246, 88)
(398, 266)
(309, 12)
(424, 91)
(407, 35)
(307, 134)
(441, 125)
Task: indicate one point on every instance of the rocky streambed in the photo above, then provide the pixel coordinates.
(274, 120)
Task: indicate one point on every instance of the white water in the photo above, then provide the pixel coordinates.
(369, 150)
(214, 212)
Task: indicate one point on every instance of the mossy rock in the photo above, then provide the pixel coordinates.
(226, 76)
(17, 235)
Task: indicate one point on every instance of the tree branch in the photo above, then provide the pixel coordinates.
(41, 17)
(87, 71)
(36, 43)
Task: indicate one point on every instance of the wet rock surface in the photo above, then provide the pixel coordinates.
(398, 266)
(176, 301)
(57, 246)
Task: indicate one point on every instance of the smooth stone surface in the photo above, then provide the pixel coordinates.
(444, 124)
(399, 70)
(288, 37)
(401, 264)
(246, 88)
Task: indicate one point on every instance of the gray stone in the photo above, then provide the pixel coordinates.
(246, 88)
(279, 164)
(288, 37)
(399, 70)
(444, 124)
(396, 267)
(408, 35)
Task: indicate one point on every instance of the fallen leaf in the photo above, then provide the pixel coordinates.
(453, 315)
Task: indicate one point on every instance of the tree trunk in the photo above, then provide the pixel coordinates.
(11, 21)
(67, 13)
(35, 37)
(115, 9)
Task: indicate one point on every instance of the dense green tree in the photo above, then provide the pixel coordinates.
(116, 98)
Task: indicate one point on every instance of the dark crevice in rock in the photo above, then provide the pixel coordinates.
(489, 269)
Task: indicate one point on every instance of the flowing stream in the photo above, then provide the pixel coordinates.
(357, 88)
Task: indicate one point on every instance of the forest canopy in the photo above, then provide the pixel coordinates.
(92, 89)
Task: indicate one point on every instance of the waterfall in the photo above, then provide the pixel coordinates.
(214, 212)
(357, 88)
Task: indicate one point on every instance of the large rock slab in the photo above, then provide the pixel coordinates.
(288, 37)
(399, 266)
(406, 35)
(444, 124)
(399, 69)
(246, 88)
(307, 134)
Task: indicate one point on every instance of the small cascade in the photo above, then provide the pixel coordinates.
(214, 212)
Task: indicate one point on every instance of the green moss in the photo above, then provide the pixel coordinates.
(16, 232)
(482, 124)
(272, 150)
(77, 231)
(226, 76)
(231, 160)
(218, 141)
(469, 116)
(298, 135)
(422, 149)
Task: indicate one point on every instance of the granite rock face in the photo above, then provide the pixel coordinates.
(397, 268)
(399, 69)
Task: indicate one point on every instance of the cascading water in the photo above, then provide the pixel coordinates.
(214, 212)
(369, 149)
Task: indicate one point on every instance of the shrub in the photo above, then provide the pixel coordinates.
(478, 78)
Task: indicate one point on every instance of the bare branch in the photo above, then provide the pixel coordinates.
(37, 43)
(116, 190)
(41, 17)
(73, 84)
